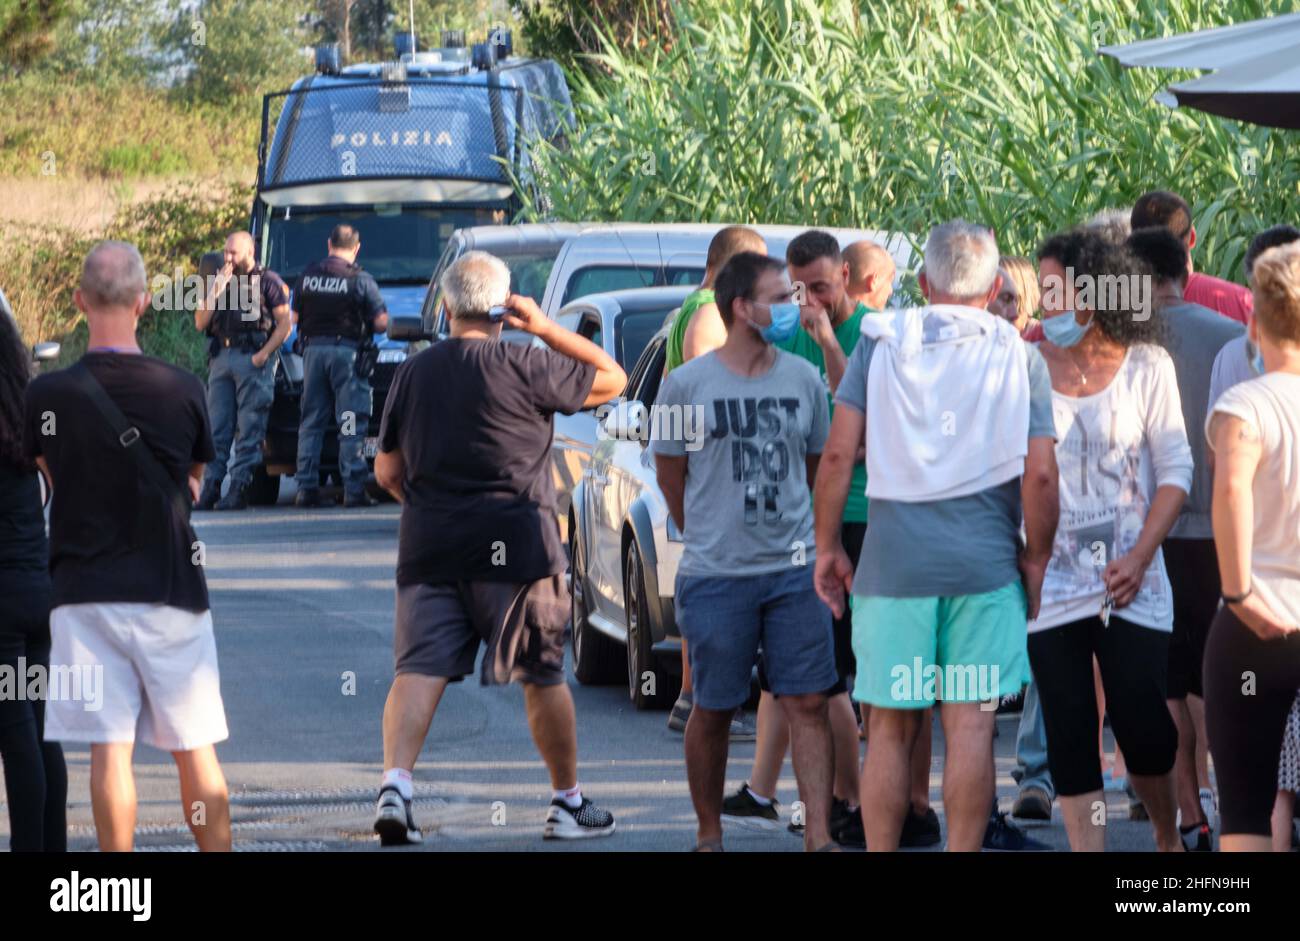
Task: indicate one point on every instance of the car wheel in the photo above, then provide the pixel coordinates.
(649, 686)
(597, 659)
(264, 488)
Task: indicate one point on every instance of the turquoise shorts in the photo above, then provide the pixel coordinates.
(914, 651)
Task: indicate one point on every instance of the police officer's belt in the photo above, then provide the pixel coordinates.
(332, 341)
(243, 341)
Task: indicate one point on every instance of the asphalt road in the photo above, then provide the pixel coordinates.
(303, 603)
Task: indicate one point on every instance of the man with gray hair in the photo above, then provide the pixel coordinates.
(122, 438)
(464, 446)
(956, 415)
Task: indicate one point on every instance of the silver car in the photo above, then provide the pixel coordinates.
(621, 322)
(624, 551)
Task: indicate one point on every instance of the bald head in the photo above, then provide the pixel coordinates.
(113, 279)
(871, 274)
(239, 252)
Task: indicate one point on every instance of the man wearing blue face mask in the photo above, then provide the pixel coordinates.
(830, 325)
(740, 496)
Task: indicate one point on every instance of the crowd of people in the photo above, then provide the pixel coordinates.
(1074, 479)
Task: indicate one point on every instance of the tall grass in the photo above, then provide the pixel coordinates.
(41, 265)
(121, 131)
(898, 115)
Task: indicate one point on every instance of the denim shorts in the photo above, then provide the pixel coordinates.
(726, 619)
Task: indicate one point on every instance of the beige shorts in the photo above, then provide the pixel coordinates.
(122, 672)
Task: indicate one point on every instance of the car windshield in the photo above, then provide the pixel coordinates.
(598, 279)
(399, 244)
(634, 329)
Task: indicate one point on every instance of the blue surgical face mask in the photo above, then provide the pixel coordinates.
(1063, 330)
(784, 325)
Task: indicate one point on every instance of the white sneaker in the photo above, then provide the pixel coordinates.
(584, 822)
(393, 820)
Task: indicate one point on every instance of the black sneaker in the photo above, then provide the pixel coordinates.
(393, 820)
(1202, 838)
(1011, 704)
(236, 498)
(208, 496)
(587, 821)
(742, 810)
(1002, 836)
(920, 829)
(359, 500)
(846, 825)
(681, 711)
(308, 497)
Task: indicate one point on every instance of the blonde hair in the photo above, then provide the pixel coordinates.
(1021, 271)
(1276, 288)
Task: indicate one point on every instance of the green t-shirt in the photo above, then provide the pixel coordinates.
(803, 345)
(677, 335)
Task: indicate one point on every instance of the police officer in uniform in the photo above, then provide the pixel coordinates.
(245, 313)
(339, 310)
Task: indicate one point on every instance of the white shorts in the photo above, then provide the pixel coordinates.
(121, 671)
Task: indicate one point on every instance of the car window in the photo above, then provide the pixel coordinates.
(590, 329)
(633, 330)
(598, 279)
(647, 385)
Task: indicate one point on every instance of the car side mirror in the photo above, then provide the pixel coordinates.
(622, 421)
(407, 328)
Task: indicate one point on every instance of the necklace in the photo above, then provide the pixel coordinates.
(1083, 376)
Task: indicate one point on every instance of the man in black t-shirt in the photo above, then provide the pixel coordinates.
(339, 308)
(130, 623)
(245, 312)
(465, 446)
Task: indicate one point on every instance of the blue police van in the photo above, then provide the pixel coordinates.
(406, 152)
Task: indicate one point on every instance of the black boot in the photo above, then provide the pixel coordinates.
(307, 497)
(236, 497)
(361, 498)
(209, 495)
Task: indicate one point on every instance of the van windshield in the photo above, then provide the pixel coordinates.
(399, 244)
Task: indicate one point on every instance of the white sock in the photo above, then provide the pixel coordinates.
(762, 801)
(400, 779)
(572, 797)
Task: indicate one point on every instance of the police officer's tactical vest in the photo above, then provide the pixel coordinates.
(328, 301)
(241, 310)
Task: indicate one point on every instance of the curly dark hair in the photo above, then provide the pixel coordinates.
(15, 371)
(1122, 319)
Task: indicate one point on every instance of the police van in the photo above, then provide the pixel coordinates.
(406, 152)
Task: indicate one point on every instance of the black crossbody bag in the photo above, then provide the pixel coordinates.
(146, 462)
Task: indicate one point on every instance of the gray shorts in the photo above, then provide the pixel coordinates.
(439, 629)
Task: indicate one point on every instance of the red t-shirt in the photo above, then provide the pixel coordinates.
(1232, 300)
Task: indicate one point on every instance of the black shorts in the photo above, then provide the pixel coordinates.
(851, 537)
(1133, 662)
(439, 628)
(1193, 570)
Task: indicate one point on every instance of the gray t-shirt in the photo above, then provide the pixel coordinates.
(1196, 335)
(748, 507)
(944, 548)
(1231, 366)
